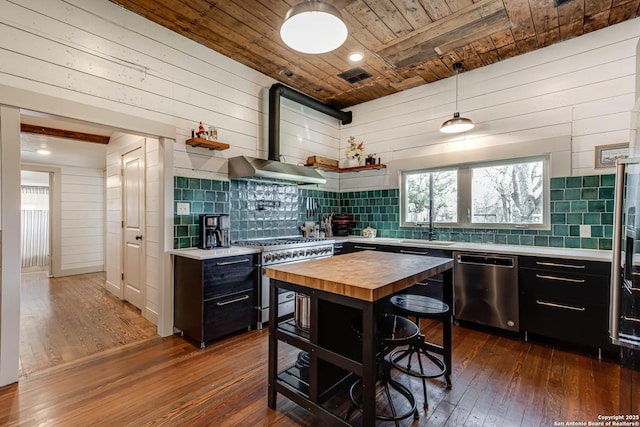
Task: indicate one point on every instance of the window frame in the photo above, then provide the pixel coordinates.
(464, 194)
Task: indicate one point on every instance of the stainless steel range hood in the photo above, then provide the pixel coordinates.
(251, 167)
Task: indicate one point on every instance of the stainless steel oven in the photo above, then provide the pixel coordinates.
(284, 250)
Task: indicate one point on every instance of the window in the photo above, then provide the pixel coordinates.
(506, 194)
(420, 186)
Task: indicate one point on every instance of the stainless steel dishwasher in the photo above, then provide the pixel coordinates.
(486, 289)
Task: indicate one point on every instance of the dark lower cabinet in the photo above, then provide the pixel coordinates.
(215, 297)
(565, 299)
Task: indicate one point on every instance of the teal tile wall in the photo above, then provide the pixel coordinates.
(254, 216)
(249, 206)
(575, 201)
(325, 203)
(203, 196)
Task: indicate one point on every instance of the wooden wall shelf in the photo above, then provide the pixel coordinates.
(351, 169)
(205, 143)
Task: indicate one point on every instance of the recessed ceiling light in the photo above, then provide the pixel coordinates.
(356, 56)
(43, 152)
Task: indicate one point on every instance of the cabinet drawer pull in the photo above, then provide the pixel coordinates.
(565, 279)
(242, 298)
(371, 248)
(240, 261)
(631, 319)
(567, 307)
(413, 252)
(553, 264)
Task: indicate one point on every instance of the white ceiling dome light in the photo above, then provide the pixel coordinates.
(457, 124)
(313, 27)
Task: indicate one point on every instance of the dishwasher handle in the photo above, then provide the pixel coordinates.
(489, 260)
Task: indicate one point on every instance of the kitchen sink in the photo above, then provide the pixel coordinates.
(428, 242)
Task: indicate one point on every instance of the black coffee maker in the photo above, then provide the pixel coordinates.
(214, 231)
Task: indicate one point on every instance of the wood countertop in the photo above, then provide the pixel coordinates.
(365, 275)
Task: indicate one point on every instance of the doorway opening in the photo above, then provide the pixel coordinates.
(68, 312)
(35, 229)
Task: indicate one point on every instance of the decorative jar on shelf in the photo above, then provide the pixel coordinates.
(352, 163)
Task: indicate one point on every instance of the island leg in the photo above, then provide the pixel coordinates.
(369, 369)
(273, 346)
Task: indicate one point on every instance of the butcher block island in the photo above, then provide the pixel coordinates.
(342, 291)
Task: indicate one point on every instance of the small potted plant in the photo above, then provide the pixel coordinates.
(371, 159)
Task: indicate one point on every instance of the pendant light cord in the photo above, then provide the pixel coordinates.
(457, 73)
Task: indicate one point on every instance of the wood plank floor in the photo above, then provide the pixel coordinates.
(497, 381)
(68, 318)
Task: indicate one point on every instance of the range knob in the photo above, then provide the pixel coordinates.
(267, 257)
(287, 254)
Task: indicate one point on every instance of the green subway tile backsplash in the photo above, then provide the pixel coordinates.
(576, 200)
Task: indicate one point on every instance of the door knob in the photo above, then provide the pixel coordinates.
(139, 237)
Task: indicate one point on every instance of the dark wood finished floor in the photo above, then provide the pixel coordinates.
(68, 318)
(497, 381)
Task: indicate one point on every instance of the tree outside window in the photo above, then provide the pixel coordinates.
(445, 194)
(507, 194)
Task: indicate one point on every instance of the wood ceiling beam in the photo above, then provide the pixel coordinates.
(67, 134)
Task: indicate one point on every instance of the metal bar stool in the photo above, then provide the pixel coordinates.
(422, 307)
(392, 331)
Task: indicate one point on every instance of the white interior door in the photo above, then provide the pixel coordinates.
(133, 189)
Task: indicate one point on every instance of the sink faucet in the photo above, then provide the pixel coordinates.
(431, 231)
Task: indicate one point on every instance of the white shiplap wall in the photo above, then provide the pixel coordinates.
(583, 89)
(113, 189)
(82, 226)
(96, 52)
(153, 222)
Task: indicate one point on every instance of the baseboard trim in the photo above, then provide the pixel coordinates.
(151, 316)
(81, 270)
(113, 288)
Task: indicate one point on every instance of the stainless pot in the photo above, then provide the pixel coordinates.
(303, 311)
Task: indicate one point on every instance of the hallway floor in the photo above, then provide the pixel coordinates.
(63, 320)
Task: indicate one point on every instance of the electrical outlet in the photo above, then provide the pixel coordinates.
(585, 231)
(183, 208)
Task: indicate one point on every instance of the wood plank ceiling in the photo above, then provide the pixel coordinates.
(406, 43)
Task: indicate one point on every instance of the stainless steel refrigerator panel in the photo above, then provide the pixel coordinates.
(624, 309)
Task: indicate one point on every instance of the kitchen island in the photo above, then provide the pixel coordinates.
(340, 289)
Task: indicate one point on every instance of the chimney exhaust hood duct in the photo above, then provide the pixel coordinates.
(246, 167)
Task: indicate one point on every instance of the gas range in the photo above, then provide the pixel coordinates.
(282, 250)
(279, 250)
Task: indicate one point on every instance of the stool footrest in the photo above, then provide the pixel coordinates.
(397, 356)
(401, 389)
